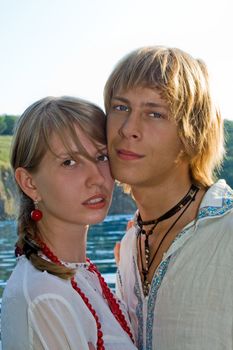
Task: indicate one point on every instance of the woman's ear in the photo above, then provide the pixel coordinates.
(26, 183)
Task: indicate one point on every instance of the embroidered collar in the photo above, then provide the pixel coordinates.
(217, 201)
(71, 265)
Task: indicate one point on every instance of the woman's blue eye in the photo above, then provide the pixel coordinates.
(102, 158)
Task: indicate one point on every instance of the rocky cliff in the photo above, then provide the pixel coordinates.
(7, 193)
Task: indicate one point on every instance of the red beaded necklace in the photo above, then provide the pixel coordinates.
(107, 294)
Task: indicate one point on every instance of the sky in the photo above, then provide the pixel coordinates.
(69, 47)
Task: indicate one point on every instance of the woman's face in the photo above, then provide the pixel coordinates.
(74, 191)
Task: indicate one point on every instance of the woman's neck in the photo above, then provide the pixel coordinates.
(67, 242)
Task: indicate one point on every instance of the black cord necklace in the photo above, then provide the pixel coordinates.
(183, 203)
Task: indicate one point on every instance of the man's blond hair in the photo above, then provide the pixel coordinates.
(183, 82)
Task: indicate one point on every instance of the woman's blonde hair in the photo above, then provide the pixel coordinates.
(184, 84)
(31, 140)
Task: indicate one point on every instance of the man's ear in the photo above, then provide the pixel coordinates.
(26, 183)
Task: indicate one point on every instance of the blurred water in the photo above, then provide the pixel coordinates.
(7, 259)
(101, 241)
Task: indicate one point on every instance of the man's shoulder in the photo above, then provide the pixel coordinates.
(217, 202)
(130, 234)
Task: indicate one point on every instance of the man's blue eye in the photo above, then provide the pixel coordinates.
(121, 108)
(155, 115)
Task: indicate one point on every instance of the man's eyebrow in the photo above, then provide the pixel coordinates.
(144, 104)
(119, 98)
(153, 104)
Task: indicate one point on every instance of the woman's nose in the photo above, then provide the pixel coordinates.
(95, 175)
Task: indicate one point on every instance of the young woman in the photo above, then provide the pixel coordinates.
(56, 297)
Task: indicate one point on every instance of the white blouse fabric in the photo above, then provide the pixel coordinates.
(43, 312)
(190, 304)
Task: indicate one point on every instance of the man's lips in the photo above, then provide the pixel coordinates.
(128, 155)
(97, 201)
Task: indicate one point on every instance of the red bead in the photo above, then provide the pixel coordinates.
(46, 251)
(85, 299)
(94, 313)
(112, 302)
(36, 215)
(100, 333)
(116, 307)
(100, 342)
(98, 324)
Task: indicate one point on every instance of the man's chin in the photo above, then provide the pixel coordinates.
(121, 173)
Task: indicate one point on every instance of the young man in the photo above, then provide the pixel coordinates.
(165, 141)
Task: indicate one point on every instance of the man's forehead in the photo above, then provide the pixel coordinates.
(146, 96)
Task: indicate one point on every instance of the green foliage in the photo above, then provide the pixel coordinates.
(2, 125)
(7, 124)
(227, 169)
(228, 127)
(5, 142)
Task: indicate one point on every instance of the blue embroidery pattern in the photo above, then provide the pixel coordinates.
(227, 204)
(118, 274)
(139, 311)
(157, 280)
(208, 211)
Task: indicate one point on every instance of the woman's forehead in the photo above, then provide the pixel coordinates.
(75, 141)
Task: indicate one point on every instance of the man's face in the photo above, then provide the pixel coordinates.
(143, 142)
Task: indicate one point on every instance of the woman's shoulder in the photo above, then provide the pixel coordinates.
(30, 283)
(16, 280)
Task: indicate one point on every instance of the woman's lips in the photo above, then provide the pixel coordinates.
(95, 202)
(128, 155)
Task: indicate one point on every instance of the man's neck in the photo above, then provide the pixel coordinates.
(153, 202)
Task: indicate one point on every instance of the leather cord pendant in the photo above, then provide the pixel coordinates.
(184, 203)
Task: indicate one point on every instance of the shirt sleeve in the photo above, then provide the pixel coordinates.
(54, 325)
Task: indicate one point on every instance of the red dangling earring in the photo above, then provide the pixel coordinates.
(36, 214)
